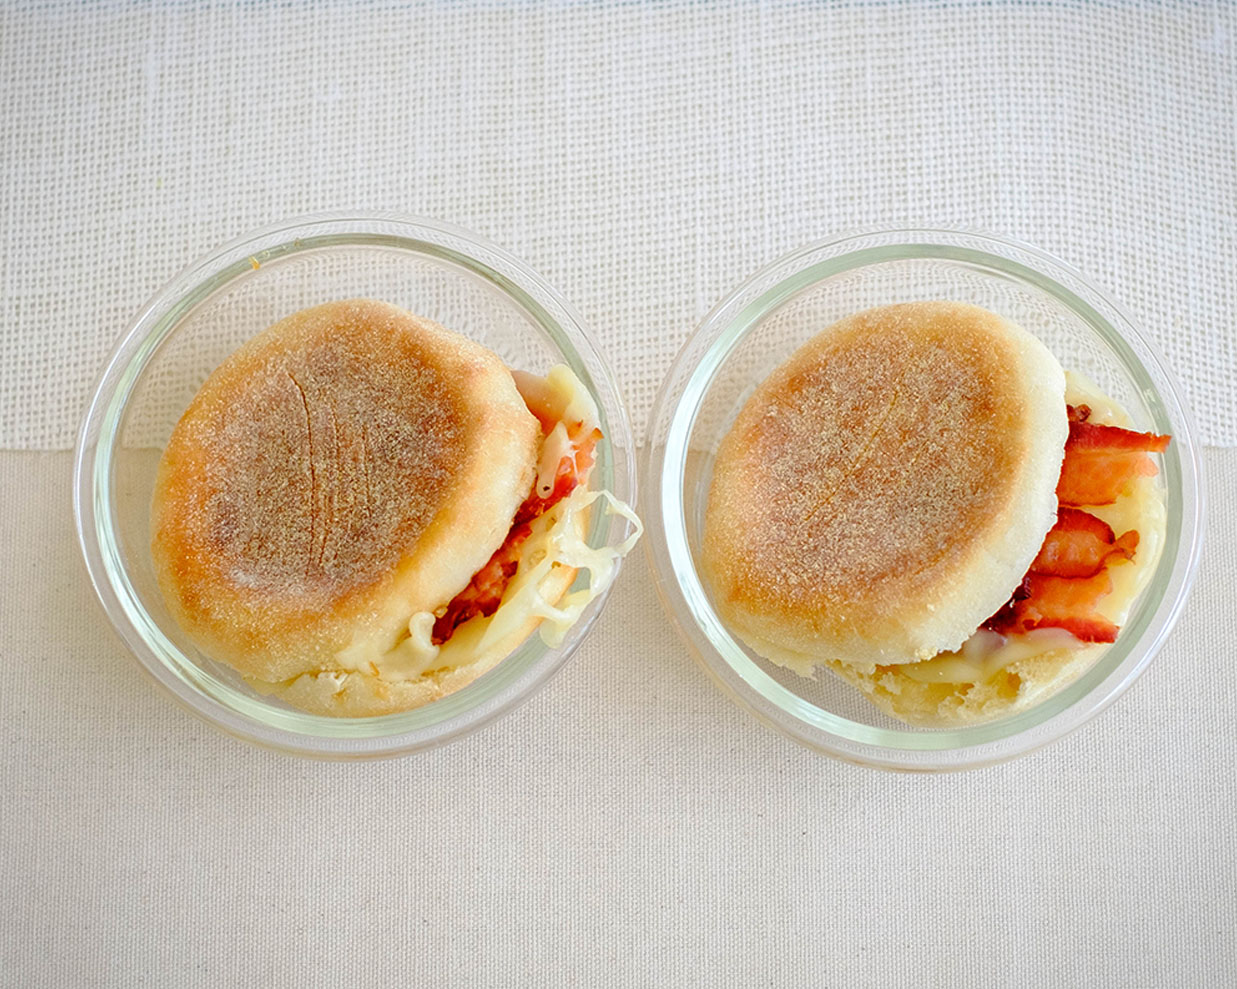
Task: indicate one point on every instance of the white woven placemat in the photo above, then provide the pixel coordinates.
(645, 158)
(628, 827)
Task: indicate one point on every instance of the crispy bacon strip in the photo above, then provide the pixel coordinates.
(1043, 601)
(1069, 576)
(485, 591)
(1080, 545)
(1102, 461)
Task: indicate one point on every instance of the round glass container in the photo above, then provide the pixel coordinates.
(429, 268)
(758, 326)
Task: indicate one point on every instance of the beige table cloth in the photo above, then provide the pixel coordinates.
(628, 826)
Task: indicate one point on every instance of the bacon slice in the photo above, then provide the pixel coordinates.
(1043, 601)
(1080, 545)
(484, 592)
(1102, 461)
(1069, 576)
(571, 472)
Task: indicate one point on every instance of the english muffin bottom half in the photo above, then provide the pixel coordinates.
(884, 490)
(350, 467)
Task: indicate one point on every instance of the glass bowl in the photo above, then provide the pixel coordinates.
(429, 268)
(758, 326)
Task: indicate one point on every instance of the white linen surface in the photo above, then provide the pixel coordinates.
(629, 826)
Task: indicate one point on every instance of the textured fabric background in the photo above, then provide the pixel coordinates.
(629, 826)
(644, 158)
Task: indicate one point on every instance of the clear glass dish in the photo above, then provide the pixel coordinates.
(758, 326)
(206, 312)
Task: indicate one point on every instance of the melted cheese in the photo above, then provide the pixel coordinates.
(562, 545)
(572, 403)
(985, 654)
(555, 447)
(578, 404)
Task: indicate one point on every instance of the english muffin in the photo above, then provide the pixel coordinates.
(916, 502)
(342, 497)
(883, 491)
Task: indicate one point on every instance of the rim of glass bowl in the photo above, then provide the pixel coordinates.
(248, 717)
(672, 421)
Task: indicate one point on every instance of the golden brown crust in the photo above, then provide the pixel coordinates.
(882, 492)
(348, 464)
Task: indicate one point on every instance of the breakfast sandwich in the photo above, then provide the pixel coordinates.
(361, 511)
(911, 502)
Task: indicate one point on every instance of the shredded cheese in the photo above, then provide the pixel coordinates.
(561, 545)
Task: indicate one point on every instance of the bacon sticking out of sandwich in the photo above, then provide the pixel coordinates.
(1044, 601)
(1080, 545)
(1070, 576)
(1102, 461)
(1067, 580)
(485, 591)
